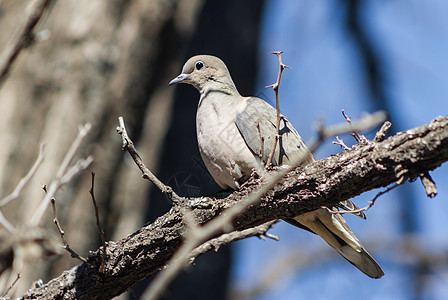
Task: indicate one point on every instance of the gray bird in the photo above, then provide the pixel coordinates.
(236, 135)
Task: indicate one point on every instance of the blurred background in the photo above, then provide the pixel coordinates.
(97, 60)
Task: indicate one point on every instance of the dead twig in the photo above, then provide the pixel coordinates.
(128, 145)
(275, 87)
(381, 134)
(98, 224)
(359, 138)
(371, 203)
(261, 231)
(11, 286)
(429, 185)
(366, 122)
(65, 244)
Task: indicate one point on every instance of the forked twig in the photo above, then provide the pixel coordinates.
(355, 133)
(341, 143)
(371, 203)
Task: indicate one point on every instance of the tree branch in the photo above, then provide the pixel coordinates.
(20, 186)
(404, 156)
(65, 172)
(275, 86)
(25, 37)
(128, 145)
(214, 244)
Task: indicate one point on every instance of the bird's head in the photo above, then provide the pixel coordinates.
(205, 72)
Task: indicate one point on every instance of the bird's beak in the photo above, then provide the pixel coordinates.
(178, 79)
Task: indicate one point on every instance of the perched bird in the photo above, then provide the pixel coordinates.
(236, 134)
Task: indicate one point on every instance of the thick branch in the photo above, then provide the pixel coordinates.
(323, 183)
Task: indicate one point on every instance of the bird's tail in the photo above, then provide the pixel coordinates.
(335, 231)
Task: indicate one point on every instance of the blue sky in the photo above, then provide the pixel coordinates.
(411, 39)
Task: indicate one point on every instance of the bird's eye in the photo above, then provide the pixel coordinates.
(199, 65)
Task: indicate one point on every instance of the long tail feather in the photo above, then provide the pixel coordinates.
(335, 231)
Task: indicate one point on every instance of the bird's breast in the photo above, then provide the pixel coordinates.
(225, 154)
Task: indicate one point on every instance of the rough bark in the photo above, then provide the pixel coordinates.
(407, 155)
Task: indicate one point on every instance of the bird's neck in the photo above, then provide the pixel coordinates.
(217, 89)
(213, 83)
(219, 96)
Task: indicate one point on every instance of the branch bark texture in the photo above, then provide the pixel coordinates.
(407, 155)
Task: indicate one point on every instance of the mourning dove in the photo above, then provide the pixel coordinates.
(236, 135)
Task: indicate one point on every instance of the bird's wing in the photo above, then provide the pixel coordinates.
(257, 123)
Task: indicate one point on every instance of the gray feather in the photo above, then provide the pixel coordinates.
(257, 123)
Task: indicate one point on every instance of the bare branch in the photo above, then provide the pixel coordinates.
(98, 223)
(25, 180)
(82, 133)
(8, 225)
(359, 138)
(227, 238)
(366, 122)
(11, 286)
(341, 143)
(65, 244)
(63, 175)
(24, 37)
(371, 203)
(275, 86)
(128, 145)
(187, 253)
(20, 186)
